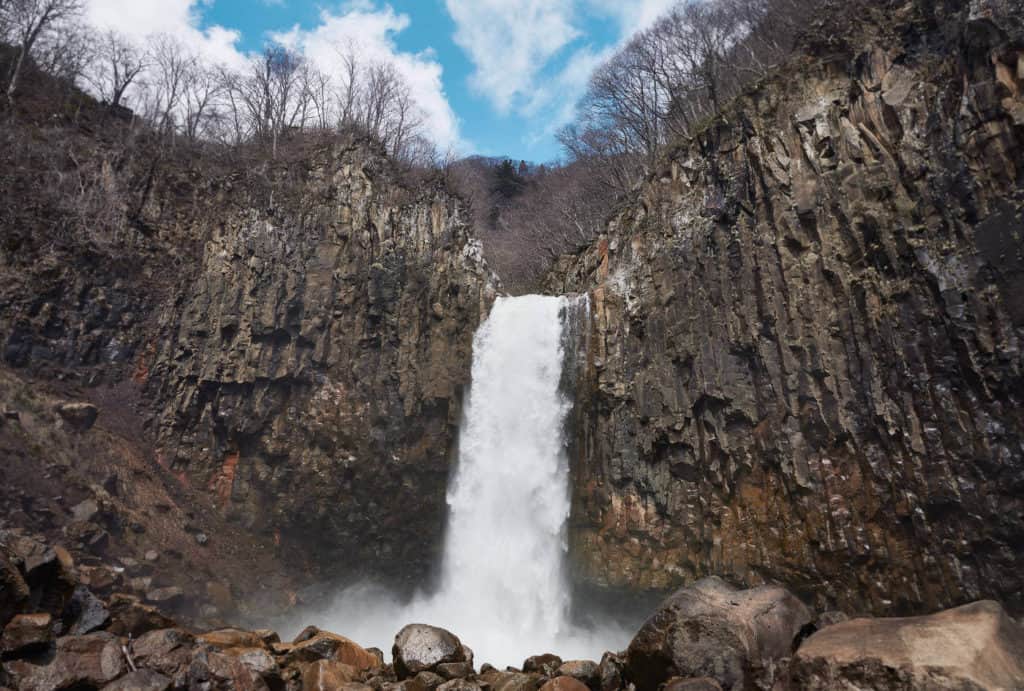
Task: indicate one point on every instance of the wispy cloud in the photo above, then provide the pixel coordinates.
(510, 43)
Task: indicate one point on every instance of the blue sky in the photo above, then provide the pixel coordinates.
(495, 77)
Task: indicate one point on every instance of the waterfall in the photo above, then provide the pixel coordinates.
(509, 498)
(503, 588)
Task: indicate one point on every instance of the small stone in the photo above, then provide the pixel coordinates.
(454, 670)
(85, 511)
(152, 555)
(585, 671)
(202, 538)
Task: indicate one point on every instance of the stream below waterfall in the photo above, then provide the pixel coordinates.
(503, 589)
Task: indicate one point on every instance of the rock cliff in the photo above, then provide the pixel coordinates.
(289, 339)
(805, 347)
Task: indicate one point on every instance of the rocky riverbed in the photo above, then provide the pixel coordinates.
(69, 626)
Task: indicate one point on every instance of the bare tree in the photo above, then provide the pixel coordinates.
(167, 80)
(117, 65)
(199, 100)
(30, 20)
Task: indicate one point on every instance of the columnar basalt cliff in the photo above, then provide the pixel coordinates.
(805, 363)
(289, 341)
(312, 375)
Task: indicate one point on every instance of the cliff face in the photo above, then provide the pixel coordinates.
(311, 377)
(291, 340)
(805, 360)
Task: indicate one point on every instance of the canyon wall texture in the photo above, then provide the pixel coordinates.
(289, 340)
(313, 373)
(805, 355)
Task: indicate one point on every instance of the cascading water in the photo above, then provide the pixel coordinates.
(503, 586)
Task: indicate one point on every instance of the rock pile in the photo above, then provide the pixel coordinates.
(59, 634)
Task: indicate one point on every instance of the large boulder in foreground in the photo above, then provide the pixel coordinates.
(976, 646)
(420, 648)
(710, 629)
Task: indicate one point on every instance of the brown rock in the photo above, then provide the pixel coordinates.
(141, 680)
(429, 680)
(419, 647)
(459, 685)
(168, 651)
(712, 629)
(327, 675)
(610, 672)
(26, 633)
(454, 670)
(79, 661)
(323, 645)
(129, 617)
(585, 671)
(513, 681)
(564, 684)
(969, 647)
(232, 638)
(547, 664)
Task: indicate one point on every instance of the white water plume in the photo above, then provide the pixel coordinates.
(503, 587)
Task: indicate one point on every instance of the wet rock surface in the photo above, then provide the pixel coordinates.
(805, 331)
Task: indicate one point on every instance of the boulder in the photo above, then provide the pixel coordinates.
(564, 684)
(212, 669)
(969, 647)
(87, 661)
(327, 675)
(141, 680)
(324, 645)
(610, 672)
(547, 664)
(419, 647)
(26, 633)
(585, 671)
(79, 415)
(712, 629)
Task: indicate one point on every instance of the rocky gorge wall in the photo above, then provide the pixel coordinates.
(805, 351)
(313, 373)
(288, 341)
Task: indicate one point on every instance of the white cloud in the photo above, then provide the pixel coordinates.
(138, 19)
(633, 16)
(510, 43)
(370, 27)
(517, 50)
(371, 31)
